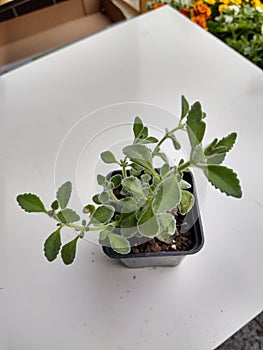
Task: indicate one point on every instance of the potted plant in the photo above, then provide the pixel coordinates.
(145, 216)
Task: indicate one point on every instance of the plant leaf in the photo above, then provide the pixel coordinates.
(137, 126)
(108, 157)
(186, 203)
(175, 142)
(133, 185)
(224, 179)
(119, 244)
(67, 216)
(68, 251)
(129, 226)
(128, 204)
(168, 223)
(30, 203)
(215, 159)
(167, 195)
(140, 155)
(52, 245)
(88, 209)
(195, 125)
(103, 237)
(197, 155)
(151, 139)
(63, 194)
(101, 180)
(116, 180)
(185, 107)
(102, 214)
(148, 224)
(104, 197)
(55, 205)
(227, 141)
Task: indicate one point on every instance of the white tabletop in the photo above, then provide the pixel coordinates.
(97, 303)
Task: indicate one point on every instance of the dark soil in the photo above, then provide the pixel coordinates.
(182, 242)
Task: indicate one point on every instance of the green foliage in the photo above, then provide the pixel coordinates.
(240, 27)
(141, 200)
(63, 194)
(68, 251)
(30, 203)
(52, 245)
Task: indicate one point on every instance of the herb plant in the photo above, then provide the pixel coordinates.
(140, 199)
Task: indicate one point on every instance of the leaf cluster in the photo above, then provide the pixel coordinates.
(139, 200)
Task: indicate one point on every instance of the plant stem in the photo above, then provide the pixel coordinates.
(179, 127)
(184, 166)
(76, 227)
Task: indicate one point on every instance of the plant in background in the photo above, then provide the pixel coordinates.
(239, 23)
(140, 200)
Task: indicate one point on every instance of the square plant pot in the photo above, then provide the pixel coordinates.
(193, 226)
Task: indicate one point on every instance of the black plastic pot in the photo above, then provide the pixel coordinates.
(172, 258)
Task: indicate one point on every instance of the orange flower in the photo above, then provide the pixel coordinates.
(185, 11)
(200, 9)
(155, 6)
(200, 20)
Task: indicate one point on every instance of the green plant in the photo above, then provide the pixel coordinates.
(140, 200)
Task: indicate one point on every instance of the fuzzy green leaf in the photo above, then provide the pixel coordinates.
(137, 126)
(30, 203)
(167, 222)
(128, 204)
(129, 226)
(140, 155)
(133, 185)
(228, 141)
(103, 237)
(88, 209)
(224, 179)
(119, 244)
(95, 199)
(52, 245)
(215, 159)
(184, 185)
(165, 169)
(151, 139)
(222, 146)
(104, 197)
(167, 195)
(185, 107)
(175, 142)
(63, 194)
(116, 180)
(195, 125)
(197, 155)
(148, 223)
(55, 205)
(102, 214)
(101, 180)
(68, 251)
(108, 157)
(67, 216)
(186, 203)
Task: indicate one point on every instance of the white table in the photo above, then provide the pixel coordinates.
(96, 303)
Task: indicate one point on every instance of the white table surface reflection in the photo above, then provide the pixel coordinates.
(97, 303)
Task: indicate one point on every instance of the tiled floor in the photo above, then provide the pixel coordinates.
(250, 337)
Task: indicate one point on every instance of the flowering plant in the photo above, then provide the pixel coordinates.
(239, 23)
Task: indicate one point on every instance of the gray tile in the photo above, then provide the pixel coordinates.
(259, 318)
(250, 337)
